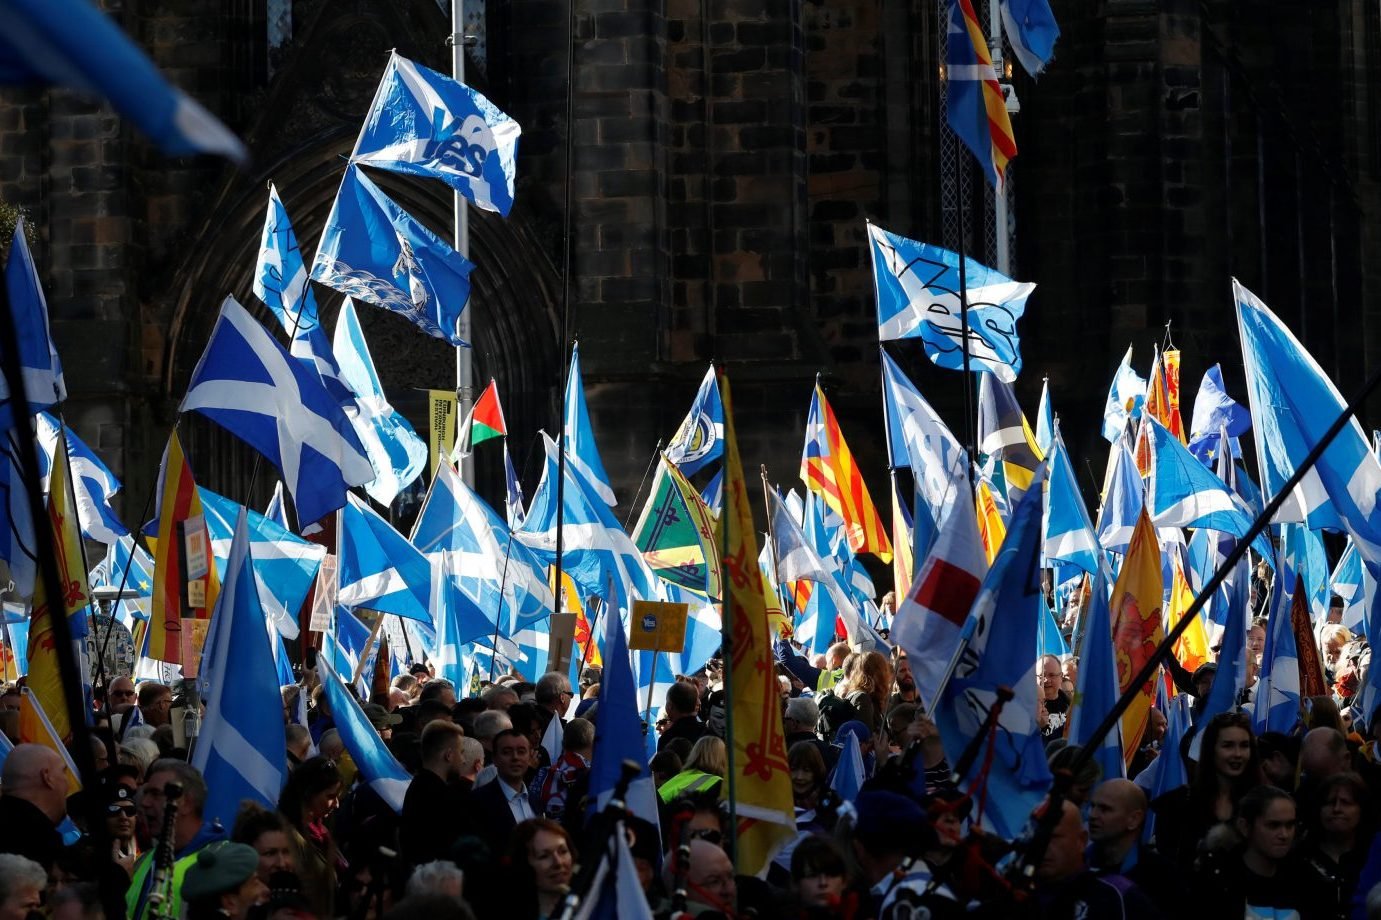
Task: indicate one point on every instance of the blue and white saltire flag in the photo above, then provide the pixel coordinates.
(1002, 653)
(1350, 583)
(1231, 676)
(1031, 29)
(428, 124)
(918, 296)
(73, 44)
(1165, 774)
(700, 439)
(615, 892)
(848, 777)
(1069, 535)
(374, 251)
(93, 484)
(825, 532)
(1096, 690)
(1303, 554)
(504, 581)
(277, 509)
(379, 568)
(284, 664)
(796, 558)
(396, 452)
(248, 384)
(619, 730)
(285, 565)
(381, 770)
(40, 366)
(280, 275)
(1045, 420)
(1293, 403)
(579, 438)
(110, 572)
(456, 620)
(1125, 399)
(1049, 640)
(18, 543)
(514, 505)
(919, 439)
(1276, 697)
(596, 550)
(241, 749)
(1182, 492)
(1214, 410)
(1122, 504)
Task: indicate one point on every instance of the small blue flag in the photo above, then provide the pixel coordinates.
(379, 568)
(1096, 691)
(1125, 399)
(1031, 29)
(38, 357)
(619, 730)
(381, 770)
(1214, 410)
(1276, 697)
(1069, 534)
(700, 439)
(1122, 505)
(848, 777)
(579, 438)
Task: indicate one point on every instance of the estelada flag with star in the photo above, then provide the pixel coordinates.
(44, 677)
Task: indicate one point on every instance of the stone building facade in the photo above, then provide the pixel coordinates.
(726, 156)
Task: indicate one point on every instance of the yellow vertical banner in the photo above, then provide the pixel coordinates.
(441, 410)
(760, 779)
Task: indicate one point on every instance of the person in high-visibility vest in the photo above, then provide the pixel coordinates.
(189, 835)
(704, 771)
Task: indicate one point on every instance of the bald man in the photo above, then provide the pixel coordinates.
(1065, 887)
(33, 801)
(1116, 818)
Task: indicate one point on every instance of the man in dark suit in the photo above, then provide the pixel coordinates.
(681, 707)
(501, 805)
(436, 809)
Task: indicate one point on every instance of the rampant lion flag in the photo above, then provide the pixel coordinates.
(1137, 626)
(1192, 648)
(761, 778)
(991, 530)
(828, 470)
(45, 678)
(182, 541)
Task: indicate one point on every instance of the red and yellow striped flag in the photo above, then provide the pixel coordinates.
(180, 525)
(828, 469)
(1137, 626)
(761, 777)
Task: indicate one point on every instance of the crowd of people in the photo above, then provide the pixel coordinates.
(1276, 825)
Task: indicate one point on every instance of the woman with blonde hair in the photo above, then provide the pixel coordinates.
(705, 769)
(867, 687)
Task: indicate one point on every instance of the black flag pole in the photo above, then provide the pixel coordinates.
(970, 422)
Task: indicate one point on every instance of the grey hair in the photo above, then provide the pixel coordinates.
(16, 870)
(803, 709)
(432, 878)
(193, 784)
(550, 685)
(490, 722)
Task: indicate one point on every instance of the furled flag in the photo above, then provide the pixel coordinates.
(676, 533)
(615, 889)
(1010, 775)
(761, 775)
(1231, 677)
(1276, 695)
(1031, 30)
(1097, 689)
(974, 104)
(1138, 626)
(374, 251)
(919, 290)
(285, 565)
(248, 384)
(427, 124)
(1214, 410)
(381, 770)
(181, 555)
(72, 43)
(934, 613)
(919, 439)
(93, 484)
(396, 453)
(38, 357)
(1303, 554)
(1045, 421)
(379, 568)
(1293, 403)
(485, 422)
(699, 441)
(578, 438)
(240, 749)
(828, 469)
(514, 506)
(1192, 649)
(1122, 504)
(1168, 773)
(1170, 360)
(18, 544)
(1157, 405)
(1069, 534)
(1125, 399)
(1004, 433)
(992, 530)
(904, 532)
(848, 777)
(280, 276)
(798, 560)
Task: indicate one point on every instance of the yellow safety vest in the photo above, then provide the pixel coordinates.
(136, 886)
(688, 782)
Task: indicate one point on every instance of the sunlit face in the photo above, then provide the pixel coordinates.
(1256, 640)
(551, 860)
(1049, 678)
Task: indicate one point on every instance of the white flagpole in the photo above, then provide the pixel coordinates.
(465, 371)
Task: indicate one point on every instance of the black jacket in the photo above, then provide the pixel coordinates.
(28, 832)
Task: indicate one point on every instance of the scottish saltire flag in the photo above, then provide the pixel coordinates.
(456, 620)
(241, 749)
(1166, 774)
(1096, 691)
(919, 439)
(1004, 433)
(380, 769)
(619, 730)
(379, 568)
(918, 292)
(38, 357)
(934, 613)
(1293, 403)
(1122, 503)
(514, 510)
(826, 534)
(1126, 396)
(847, 780)
(246, 383)
(615, 890)
(699, 441)
(428, 124)
(1031, 29)
(93, 484)
(578, 439)
(374, 251)
(73, 44)
(796, 558)
(1002, 653)
(829, 470)
(1276, 697)
(1214, 410)
(1045, 421)
(1304, 555)
(1231, 676)
(395, 451)
(276, 510)
(124, 554)
(285, 565)
(280, 276)
(1069, 534)
(1049, 641)
(504, 582)
(975, 107)
(1349, 582)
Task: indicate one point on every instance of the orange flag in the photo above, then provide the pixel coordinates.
(828, 469)
(1172, 393)
(182, 542)
(901, 543)
(1137, 626)
(1192, 648)
(991, 530)
(760, 778)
